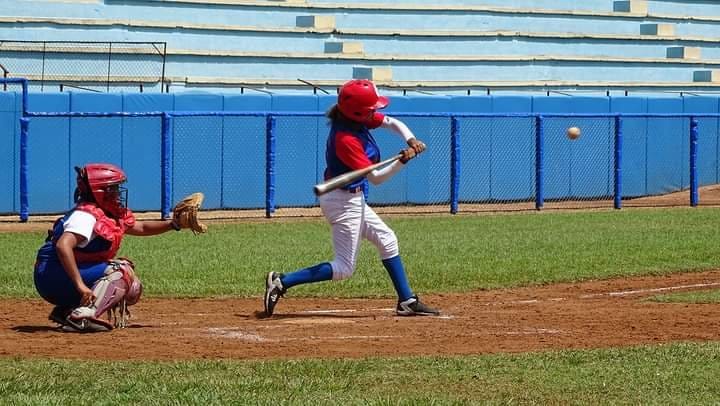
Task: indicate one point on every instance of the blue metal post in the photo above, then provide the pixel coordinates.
(539, 170)
(165, 168)
(693, 162)
(24, 125)
(270, 166)
(454, 164)
(618, 161)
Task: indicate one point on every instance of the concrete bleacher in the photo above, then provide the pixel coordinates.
(402, 44)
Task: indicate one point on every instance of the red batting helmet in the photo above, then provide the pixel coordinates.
(359, 98)
(103, 181)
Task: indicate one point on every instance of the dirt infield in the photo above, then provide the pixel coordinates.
(592, 314)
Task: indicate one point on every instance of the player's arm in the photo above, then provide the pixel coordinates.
(151, 227)
(352, 154)
(64, 248)
(399, 128)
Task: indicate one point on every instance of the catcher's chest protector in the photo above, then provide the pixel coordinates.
(106, 228)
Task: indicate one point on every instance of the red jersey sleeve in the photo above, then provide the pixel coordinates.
(350, 151)
(375, 121)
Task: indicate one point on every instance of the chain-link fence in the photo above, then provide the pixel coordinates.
(265, 164)
(91, 66)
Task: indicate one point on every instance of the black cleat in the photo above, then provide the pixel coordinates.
(59, 315)
(273, 292)
(413, 307)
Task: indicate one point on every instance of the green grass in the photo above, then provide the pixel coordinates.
(442, 254)
(701, 296)
(668, 374)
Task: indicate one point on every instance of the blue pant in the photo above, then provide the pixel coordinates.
(55, 286)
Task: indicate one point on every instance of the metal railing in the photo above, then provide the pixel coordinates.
(87, 65)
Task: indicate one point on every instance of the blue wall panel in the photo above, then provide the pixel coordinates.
(296, 160)
(707, 139)
(243, 157)
(9, 131)
(197, 141)
(476, 141)
(95, 139)
(497, 154)
(667, 148)
(51, 178)
(141, 145)
(557, 150)
(634, 159)
(513, 159)
(592, 155)
(433, 132)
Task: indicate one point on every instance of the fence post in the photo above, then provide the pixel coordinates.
(454, 164)
(539, 170)
(166, 174)
(24, 126)
(269, 166)
(618, 161)
(693, 162)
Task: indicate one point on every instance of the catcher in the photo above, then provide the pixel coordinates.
(76, 269)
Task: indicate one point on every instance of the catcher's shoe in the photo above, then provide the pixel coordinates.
(59, 315)
(273, 292)
(85, 326)
(83, 320)
(414, 307)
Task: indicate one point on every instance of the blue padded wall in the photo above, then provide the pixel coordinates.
(497, 155)
(513, 163)
(141, 147)
(435, 132)
(297, 142)
(9, 145)
(707, 138)
(51, 179)
(667, 163)
(196, 142)
(475, 141)
(243, 153)
(634, 159)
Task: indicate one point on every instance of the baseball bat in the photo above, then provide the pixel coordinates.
(342, 180)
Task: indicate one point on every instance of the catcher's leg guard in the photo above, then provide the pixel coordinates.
(114, 292)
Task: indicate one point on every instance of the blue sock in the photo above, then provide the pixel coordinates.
(316, 273)
(396, 270)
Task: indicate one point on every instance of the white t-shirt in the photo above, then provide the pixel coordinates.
(81, 223)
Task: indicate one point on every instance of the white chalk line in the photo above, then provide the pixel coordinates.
(653, 290)
(610, 294)
(238, 334)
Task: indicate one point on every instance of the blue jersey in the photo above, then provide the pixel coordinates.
(349, 149)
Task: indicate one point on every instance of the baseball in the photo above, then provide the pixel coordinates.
(573, 133)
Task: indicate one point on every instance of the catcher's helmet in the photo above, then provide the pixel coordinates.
(102, 181)
(359, 98)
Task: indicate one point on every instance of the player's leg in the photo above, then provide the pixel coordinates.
(343, 211)
(54, 285)
(118, 288)
(383, 237)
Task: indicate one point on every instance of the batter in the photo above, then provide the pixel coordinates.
(350, 146)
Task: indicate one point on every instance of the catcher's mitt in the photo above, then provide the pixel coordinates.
(185, 213)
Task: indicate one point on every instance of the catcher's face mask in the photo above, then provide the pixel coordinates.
(113, 199)
(105, 183)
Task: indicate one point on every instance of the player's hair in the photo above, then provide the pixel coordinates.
(334, 115)
(86, 195)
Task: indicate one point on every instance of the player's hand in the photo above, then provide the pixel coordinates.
(407, 154)
(86, 295)
(416, 145)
